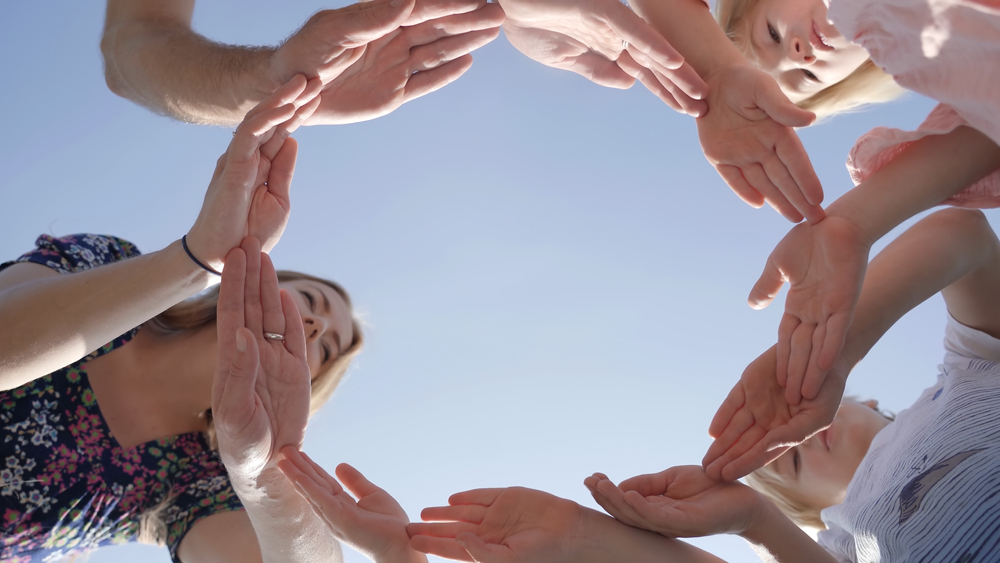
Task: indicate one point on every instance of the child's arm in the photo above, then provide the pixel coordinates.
(825, 263)
(747, 133)
(954, 251)
(685, 502)
(529, 526)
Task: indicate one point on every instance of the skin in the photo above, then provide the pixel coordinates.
(794, 43)
(326, 319)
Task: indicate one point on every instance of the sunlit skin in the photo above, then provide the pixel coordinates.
(818, 471)
(326, 319)
(793, 41)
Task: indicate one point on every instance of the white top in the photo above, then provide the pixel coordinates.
(929, 487)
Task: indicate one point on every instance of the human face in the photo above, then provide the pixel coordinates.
(795, 44)
(326, 319)
(818, 471)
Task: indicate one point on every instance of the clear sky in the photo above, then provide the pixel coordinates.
(552, 276)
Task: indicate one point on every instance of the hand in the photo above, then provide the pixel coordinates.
(586, 37)
(500, 526)
(249, 192)
(375, 524)
(369, 65)
(755, 423)
(679, 502)
(747, 135)
(260, 393)
(824, 265)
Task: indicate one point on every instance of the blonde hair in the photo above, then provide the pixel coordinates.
(768, 483)
(868, 84)
(199, 312)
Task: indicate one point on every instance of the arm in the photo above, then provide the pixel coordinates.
(528, 526)
(153, 57)
(747, 133)
(965, 258)
(684, 502)
(60, 319)
(825, 263)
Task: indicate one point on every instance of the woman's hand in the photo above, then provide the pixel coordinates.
(756, 424)
(679, 502)
(260, 394)
(375, 524)
(249, 192)
(747, 135)
(501, 526)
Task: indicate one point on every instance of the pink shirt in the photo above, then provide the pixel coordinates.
(948, 50)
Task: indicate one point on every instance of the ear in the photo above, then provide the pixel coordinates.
(871, 403)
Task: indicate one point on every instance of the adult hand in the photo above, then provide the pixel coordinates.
(369, 65)
(679, 502)
(374, 524)
(756, 424)
(249, 191)
(586, 37)
(824, 265)
(748, 137)
(499, 526)
(260, 393)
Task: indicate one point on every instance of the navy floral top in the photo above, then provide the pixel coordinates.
(66, 486)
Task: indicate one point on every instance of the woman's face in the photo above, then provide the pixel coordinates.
(326, 319)
(818, 471)
(795, 43)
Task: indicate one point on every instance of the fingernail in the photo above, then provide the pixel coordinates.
(241, 342)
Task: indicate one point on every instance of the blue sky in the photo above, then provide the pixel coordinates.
(552, 276)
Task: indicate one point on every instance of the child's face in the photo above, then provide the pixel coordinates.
(795, 43)
(818, 471)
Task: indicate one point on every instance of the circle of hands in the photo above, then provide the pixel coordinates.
(368, 59)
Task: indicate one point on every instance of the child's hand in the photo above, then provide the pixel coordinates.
(755, 424)
(679, 502)
(747, 135)
(499, 526)
(825, 265)
(375, 524)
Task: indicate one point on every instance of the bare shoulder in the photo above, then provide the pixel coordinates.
(221, 537)
(24, 272)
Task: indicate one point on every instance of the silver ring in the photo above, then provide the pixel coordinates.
(624, 45)
(274, 336)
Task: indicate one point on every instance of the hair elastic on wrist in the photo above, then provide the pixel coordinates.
(196, 261)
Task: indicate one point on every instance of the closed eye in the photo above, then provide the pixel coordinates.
(795, 461)
(774, 34)
(326, 353)
(310, 299)
(810, 75)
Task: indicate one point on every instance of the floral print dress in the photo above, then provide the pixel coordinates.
(66, 486)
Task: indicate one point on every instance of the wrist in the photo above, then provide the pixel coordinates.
(760, 523)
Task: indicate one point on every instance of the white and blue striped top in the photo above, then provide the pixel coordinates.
(929, 487)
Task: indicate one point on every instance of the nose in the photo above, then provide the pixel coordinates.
(314, 327)
(800, 51)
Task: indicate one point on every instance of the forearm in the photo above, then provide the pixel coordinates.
(57, 320)
(925, 174)
(287, 529)
(776, 539)
(606, 540)
(689, 26)
(163, 65)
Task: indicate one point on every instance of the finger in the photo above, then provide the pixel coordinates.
(616, 504)
(272, 316)
(646, 485)
(286, 94)
(716, 470)
(780, 177)
(361, 23)
(356, 482)
(442, 547)
(252, 314)
(798, 359)
(793, 155)
(255, 131)
(733, 402)
(693, 107)
(482, 552)
(757, 177)
(423, 83)
(786, 328)
(662, 519)
(305, 109)
(295, 336)
(471, 513)
(836, 334)
(778, 107)
(733, 177)
(489, 17)
(441, 529)
(317, 473)
(279, 178)
(768, 285)
(485, 497)
(687, 81)
(599, 70)
(229, 315)
(427, 10)
(812, 378)
(757, 457)
(649, 80)
(641, 37)
(445, 50)
(741, 422)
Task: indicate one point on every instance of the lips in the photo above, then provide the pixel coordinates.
(817, 40)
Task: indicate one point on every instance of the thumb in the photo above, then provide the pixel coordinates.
(779, 108)
(370, 21)
(767, 287)
(479, 550)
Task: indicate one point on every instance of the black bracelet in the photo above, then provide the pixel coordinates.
(196, 261)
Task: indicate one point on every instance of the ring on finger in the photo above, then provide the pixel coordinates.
(274, 336)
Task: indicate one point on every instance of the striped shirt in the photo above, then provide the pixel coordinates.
(929, 487)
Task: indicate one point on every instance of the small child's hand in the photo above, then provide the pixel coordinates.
(679, 502)
(756, 424)
(824, 265)
(375, 524)
(747, 135)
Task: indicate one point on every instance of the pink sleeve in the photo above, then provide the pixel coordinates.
(879, 146)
